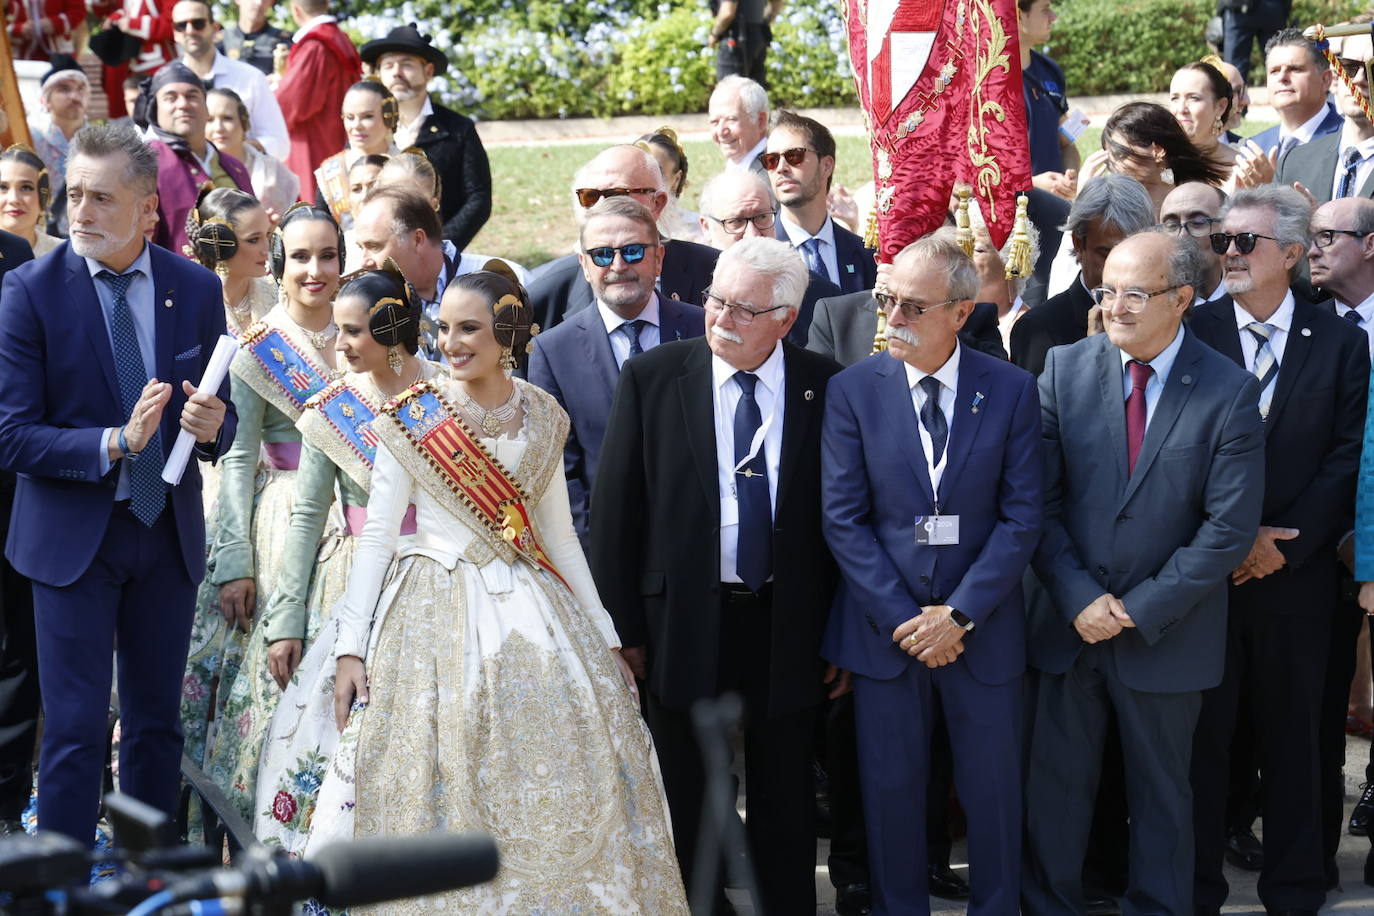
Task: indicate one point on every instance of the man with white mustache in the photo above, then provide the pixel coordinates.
(579, 360)
(706, 547)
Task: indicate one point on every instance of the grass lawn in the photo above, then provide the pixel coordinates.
(532, 220)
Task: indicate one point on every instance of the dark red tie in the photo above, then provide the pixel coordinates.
(1135, 411)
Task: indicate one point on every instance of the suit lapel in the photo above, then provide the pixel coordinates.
(164, 318)
(1295, 351)
(895, 396)
(1223, 334)
(965, 421)
(698, 407)
(92, 318)
(1177, 389)
(798, 419)
(596, 345)
(1109, 377)
(671, 324)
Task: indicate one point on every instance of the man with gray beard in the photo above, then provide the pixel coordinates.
(579, 361)
(115, 554)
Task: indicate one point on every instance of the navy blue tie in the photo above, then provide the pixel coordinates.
(147, 492)
(1352, 162)
(632, 330)
(754, 550)
(933, 418)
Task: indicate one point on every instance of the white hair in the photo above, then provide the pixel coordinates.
(753, 96)
(725, 187)
(774, 259)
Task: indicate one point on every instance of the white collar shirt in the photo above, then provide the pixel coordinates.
(796, 235)
(1162, 365)
(264, 113)
(746, 161)
(1281, 320)
(725, 395)
(1362, 171)
(948, 377)
(619, 334)
(407, 134)
(1304, 132)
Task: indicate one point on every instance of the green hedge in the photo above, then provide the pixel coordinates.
(1115, 46)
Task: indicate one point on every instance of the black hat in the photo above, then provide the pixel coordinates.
(61, 63)
(114, 47)
(145, 111)
(405, 39)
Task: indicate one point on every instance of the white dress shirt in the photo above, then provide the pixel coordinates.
(1304, 132)
(1362, 171)
(264, 114)
(1366, 313)
(1282, 320)
(948, 377)
(746, 161)
(725, 395)
(826, 236)
(649, 335)
(1162, 364)
(407, 134)
(1216, 293)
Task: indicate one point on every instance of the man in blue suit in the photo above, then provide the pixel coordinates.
(578, 362)
(1154, 470)
(1299, 81)
(100, 347)
(931, 490)
(801, 163)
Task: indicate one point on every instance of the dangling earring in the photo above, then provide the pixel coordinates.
(1218, 126)
(393, 359)
(507, 361)
(1167, 176)
(222, 268)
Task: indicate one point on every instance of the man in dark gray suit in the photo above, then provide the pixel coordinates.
(579, 361)
(1340, 164)
(1154, 472)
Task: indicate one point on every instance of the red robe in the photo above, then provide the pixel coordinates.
(62, 16)
(321, 67)
(149, 20)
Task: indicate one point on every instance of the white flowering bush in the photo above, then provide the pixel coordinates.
(551, 58)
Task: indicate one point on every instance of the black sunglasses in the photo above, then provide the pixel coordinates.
(794, 156)
(588, 197)
(195, 25)
(1245, 241)
(605, 255)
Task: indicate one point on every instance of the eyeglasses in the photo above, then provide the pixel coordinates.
(1245, 241)
(588, 197)
(740, 313)
(630, 254)
(1352, 67)
(1323, 238)
(794, 156)
(1196, 226)
(735, 224)
(1133, 299)
(194, 25)
(911, 308)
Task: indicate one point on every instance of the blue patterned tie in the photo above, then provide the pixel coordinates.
(1352, 162)
(754, 548)
(811, 251)
(147, 492)
(1266, 365)
(632, 330)
(933, 418)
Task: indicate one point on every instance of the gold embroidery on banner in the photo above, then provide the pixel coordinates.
(991, 56)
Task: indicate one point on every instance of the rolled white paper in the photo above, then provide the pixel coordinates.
(215, 371)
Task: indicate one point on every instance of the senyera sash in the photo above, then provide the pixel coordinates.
(466, 477)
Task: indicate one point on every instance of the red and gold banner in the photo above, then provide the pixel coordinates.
(940, 86)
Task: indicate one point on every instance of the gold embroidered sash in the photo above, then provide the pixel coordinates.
(274, 363)
(421, 421)
(338, 421)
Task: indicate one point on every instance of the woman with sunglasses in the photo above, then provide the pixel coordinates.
(370, 115)
(478, 679)
(1142, 140)
(378, 319)
(283, 360)
(25, 195)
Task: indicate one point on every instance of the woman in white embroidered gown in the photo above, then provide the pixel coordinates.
(475, 689)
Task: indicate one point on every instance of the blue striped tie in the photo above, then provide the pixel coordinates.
(147, 492)
(1266, 366)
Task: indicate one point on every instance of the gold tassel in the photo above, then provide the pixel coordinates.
(871, 231)
(1019, 258)
(880, 335)
(963, 232)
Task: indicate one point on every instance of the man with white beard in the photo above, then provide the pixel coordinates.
(115, 554)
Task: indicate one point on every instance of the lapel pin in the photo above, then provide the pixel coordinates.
(1187, 380)
(809, 395)
(167, 303)
(977, 399)
(849, 267)
(1306, 332)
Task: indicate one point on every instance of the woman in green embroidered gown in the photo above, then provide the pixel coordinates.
(490, 692)
(228, 231)
(283, 360)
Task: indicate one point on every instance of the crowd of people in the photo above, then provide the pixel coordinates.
(460, 546)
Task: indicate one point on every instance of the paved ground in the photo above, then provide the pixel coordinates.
(1352, 897)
